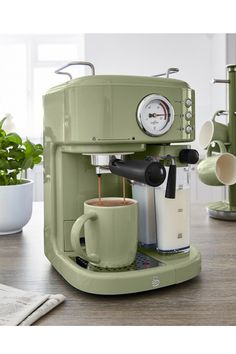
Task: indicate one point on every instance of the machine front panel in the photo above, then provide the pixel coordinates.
(108, 114)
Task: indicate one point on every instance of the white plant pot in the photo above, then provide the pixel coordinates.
(15, 207)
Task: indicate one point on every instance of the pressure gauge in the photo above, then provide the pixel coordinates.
(155, 115)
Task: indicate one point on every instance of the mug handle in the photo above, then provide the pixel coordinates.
(75, 237)
(221, 112)
(219, 143)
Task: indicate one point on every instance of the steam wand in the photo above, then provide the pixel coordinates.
(171, 180)
(186, 156)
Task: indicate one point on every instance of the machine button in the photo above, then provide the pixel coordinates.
(188, 115)
(188, 102)
(188, 129)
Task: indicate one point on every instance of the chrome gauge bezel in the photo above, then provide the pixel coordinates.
(147, 100)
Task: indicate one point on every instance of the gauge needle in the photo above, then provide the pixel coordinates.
(155, 115)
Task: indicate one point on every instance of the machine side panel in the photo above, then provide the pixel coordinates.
(54, 115)
(54, 111)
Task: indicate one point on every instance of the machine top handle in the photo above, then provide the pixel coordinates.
(58, 71)
(168, 73)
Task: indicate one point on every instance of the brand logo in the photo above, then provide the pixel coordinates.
(155, 281)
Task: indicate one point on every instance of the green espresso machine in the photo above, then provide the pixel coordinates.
(112, 126)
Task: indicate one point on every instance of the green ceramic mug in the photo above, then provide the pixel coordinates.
(212, 130)
(110, 231)
(219, 168)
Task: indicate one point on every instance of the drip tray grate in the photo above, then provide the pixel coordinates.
(142, 261)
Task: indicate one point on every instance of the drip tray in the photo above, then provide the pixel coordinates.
(142, 261)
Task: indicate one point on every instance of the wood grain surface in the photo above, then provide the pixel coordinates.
(209, 299)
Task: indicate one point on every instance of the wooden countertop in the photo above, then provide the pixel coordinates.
(209, 299)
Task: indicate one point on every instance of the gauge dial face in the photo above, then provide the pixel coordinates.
(155, 115)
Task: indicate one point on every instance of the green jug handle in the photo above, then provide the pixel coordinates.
(212, 146)
(75, 237)
(221, 112)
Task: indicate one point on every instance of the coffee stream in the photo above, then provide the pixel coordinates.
(101, 202)
(99, 189)
(123, 188)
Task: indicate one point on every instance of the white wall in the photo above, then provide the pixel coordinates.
(231, 48)
(200, 57)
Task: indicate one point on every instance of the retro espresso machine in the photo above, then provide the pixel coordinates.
(121, 127)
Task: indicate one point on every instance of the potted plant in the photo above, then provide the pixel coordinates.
(16, 193)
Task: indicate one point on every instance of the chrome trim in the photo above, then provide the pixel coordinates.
(221, 113)
(174, 251)
(222, 215)
(102, 170)
(58, 71)
(103, 160)
(146, 100)
(168, 72)
(219, 81)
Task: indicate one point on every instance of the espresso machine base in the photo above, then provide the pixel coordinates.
(150, 271)
(222, 210)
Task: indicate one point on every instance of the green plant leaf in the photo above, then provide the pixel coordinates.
(27, 163)
(37, 160)
(2, 134)
(2, 121)
(29, 148)
(13, 164)
(3, 153)
(4, 165)
(13, 138)
(39, 148)
(16, 154)
(3, 180)
(37, 152)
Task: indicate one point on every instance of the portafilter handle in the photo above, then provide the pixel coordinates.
(152, 173)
